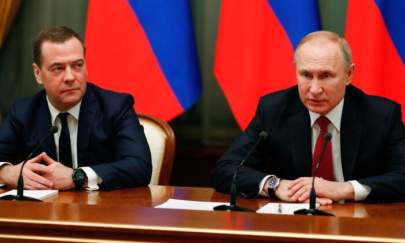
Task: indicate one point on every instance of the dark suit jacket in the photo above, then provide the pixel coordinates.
(372, 145)
(110, 139)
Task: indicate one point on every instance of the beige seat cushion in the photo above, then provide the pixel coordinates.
(156, 138)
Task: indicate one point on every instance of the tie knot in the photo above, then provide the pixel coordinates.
(323, 123)
(63, 116)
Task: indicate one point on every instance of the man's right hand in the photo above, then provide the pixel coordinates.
(32, 172)
(282, 191)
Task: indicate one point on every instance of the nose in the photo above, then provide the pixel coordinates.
(69, 74)
(315, 88)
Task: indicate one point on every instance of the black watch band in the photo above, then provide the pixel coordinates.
(272, 184)
(79, 178)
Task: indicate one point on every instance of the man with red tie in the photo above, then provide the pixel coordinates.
(364, 158)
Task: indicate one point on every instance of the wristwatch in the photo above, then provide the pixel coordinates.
(272, 184)
(79, 178)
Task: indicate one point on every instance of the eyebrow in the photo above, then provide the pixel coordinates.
(62, 63)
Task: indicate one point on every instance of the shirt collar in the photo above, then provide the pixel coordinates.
(74, 111)
(334, 116)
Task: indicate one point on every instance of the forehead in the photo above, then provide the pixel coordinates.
(62, 52)
(319, 54)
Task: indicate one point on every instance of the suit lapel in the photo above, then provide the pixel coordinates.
(351, 130)
(86, 122)
(300, 140)
(44, 125)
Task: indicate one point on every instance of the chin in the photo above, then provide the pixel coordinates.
(318, 110)
(71, 101)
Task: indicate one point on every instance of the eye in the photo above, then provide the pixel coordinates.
(78, 65)
(326, 75)
(56, 69)
(306, 74)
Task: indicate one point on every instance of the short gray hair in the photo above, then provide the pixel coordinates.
(333, 37)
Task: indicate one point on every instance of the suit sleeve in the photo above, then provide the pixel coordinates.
(390, 184)
(10, 138)
(132, 159)
(251, 173)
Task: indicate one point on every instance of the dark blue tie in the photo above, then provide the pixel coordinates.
(65, 152)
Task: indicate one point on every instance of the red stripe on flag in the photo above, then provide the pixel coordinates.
(253, 57)
(119, 57)
(379, 69)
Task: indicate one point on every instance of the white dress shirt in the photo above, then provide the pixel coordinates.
(73, 123)
(335, 117)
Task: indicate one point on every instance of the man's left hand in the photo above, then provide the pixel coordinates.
(60, 175)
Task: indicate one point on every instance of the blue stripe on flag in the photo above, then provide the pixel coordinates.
(297, 17)
(168, 26)
(393, 12)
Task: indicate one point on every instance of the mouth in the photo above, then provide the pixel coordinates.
(70, 90)
(315, 102)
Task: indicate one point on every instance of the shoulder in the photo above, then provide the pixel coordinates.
(370, 106)
(108, 95)
(281, 95)
(281, 100)
(27, 106)
(106, 103)
(375, 105)
(107, 99)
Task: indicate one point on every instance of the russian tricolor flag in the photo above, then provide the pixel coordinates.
(255, 48)
(146, 48)
(375, 29)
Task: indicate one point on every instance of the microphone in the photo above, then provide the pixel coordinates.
(20, 183)
(234, 191)
(312, 210)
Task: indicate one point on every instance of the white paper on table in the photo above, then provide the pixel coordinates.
(189, 205)
(283, 208)
(38, 194)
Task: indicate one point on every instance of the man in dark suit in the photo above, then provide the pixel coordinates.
(99, 142)
(365, 158)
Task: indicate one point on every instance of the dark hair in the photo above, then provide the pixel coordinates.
(58, 34)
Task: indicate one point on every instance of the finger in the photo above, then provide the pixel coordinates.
(299, 181)
(39, 168)
(36, 159)
(302, 194)
(32, 185)
(295, 182)
(37, 179)
(293, 190)
(324, 201)
(48, 160)
(304, 182)
(321, 187)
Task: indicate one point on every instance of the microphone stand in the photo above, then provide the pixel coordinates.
(233, 206)
(312, 210)
(20, 182)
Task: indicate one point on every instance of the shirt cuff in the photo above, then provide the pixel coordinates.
(262, 187)
(93, 180)
(360, 191)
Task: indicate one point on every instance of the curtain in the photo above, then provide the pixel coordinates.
(8, 10)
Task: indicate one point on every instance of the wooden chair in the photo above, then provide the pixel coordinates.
(161, 140)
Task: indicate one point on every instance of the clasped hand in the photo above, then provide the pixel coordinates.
(41, 172)
(326, 191)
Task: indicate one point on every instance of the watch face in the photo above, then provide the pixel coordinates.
(79, 177)
(273, 182)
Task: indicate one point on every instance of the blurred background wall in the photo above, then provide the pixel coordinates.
(202, 133)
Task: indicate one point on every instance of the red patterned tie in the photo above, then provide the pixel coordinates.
(325, 169)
